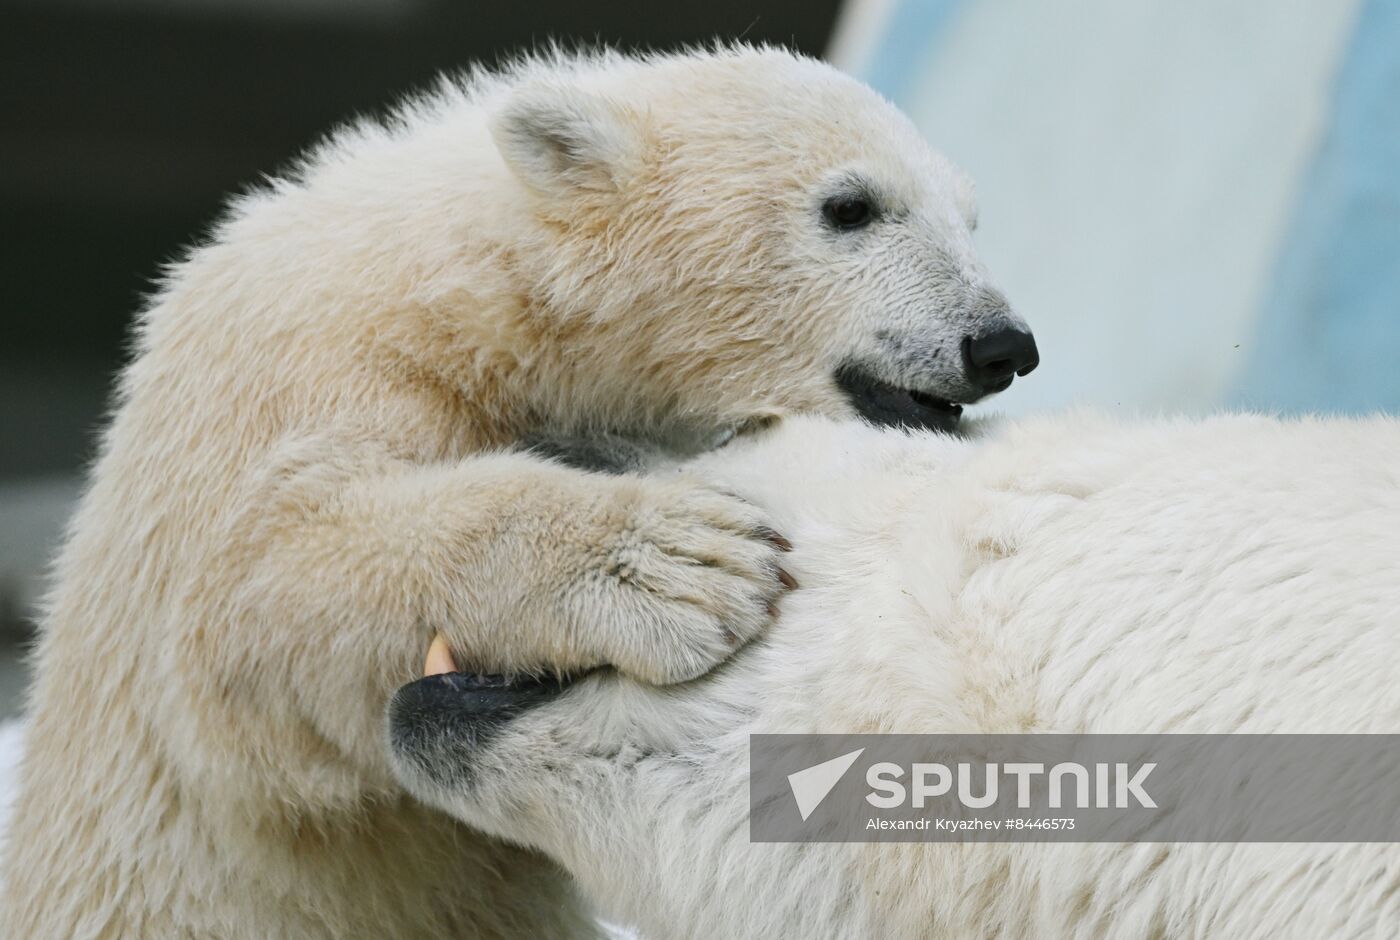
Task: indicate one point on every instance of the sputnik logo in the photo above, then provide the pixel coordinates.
(811, 786)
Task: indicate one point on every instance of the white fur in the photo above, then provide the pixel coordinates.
(1071, 574)
(308, 473)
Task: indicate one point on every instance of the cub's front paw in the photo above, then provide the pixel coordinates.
(690, 574)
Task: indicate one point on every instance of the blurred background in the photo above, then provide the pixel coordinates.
(1194, 204)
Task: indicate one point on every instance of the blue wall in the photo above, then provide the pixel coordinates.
(1329, 331)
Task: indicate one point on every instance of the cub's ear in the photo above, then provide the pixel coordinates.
(558, 138)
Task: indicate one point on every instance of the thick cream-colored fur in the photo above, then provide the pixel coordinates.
(1236, 574)
(308, 473)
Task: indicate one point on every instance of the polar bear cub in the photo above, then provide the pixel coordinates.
(314, 465)
(1064, 575)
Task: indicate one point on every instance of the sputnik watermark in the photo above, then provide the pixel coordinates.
(1091, 788)
(1112, 785)
(811, 786)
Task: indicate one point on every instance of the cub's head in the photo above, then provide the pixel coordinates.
(742, 234)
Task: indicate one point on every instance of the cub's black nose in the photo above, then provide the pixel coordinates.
(993, 360)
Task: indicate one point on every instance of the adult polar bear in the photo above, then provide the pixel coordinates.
(1069, 574)
(306, 472)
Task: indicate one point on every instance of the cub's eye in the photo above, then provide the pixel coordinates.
(848, 212)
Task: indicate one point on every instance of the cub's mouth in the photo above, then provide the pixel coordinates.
(439, 724)
(889, 405)
(472, 698)
(451, 706)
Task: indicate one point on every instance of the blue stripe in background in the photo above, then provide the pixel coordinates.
(1328, 337)
(913, 29)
